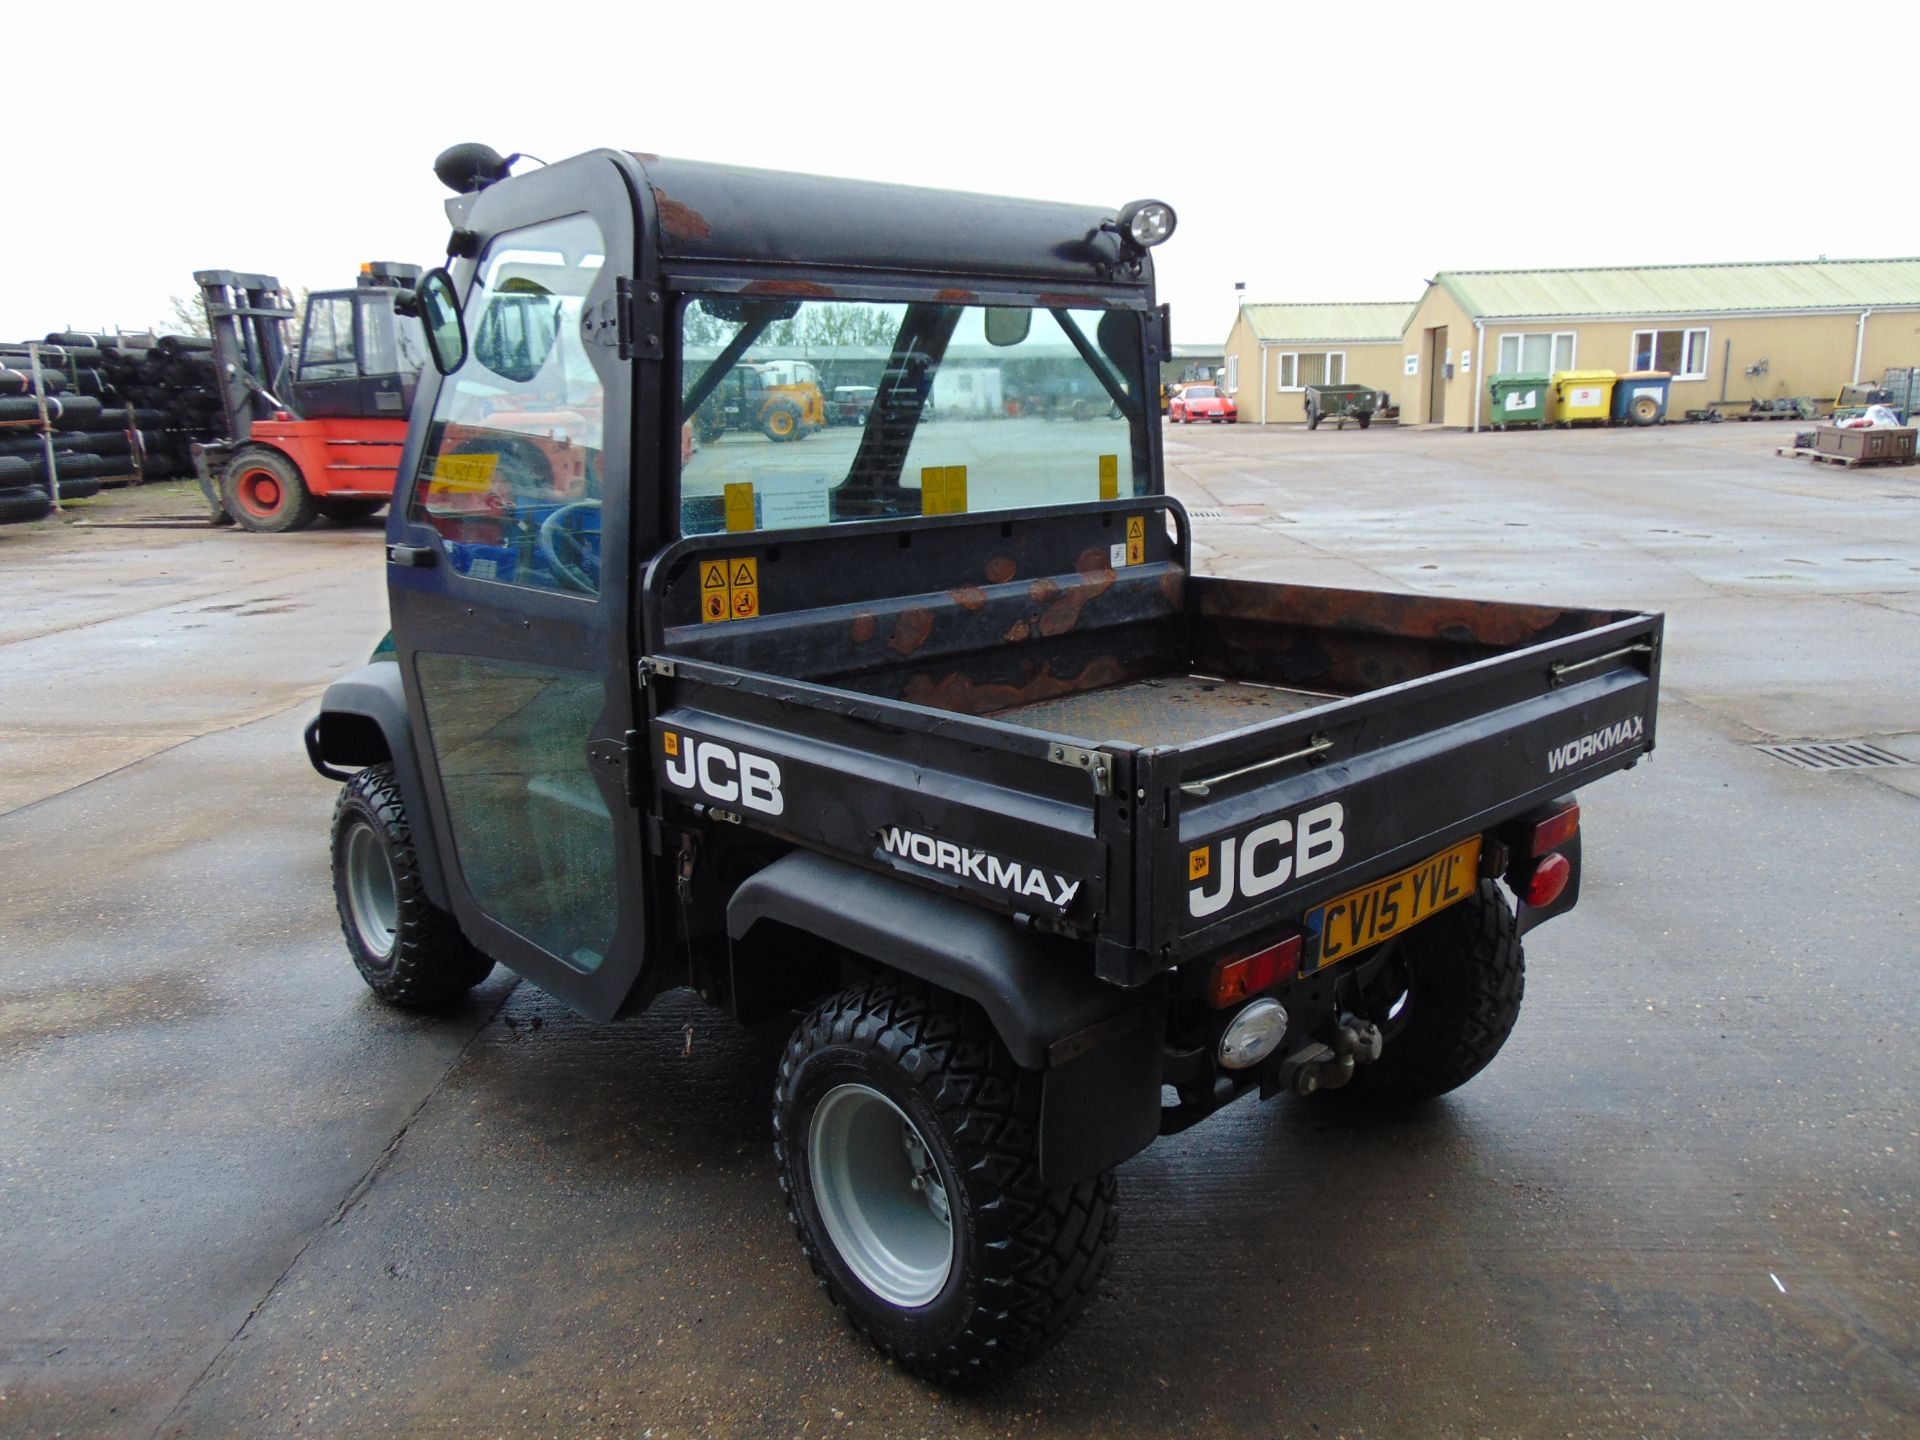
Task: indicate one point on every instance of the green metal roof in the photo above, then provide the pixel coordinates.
(1685, 289)
(1371, 320)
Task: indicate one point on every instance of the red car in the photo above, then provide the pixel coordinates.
(1202, 402)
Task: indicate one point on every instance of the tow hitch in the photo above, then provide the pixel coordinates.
(1328, 1067)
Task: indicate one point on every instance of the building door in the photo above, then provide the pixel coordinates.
(1437, 375)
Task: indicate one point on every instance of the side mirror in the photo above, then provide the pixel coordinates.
(1008, 325)
(445, 326)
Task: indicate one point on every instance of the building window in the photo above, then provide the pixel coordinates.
(1540, 353)
(1314, 367)
(1682, 353)
(1233, 372)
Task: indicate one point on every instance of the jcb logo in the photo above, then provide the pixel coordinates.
(723, 774)
(1267, 857)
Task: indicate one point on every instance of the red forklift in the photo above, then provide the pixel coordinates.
(319, 436)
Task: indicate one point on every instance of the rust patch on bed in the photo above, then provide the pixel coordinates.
(1173, 585)
(1094, 567)
(1428, 617)
(683, 222)
(910, 631)
(962, 695)
(952, 296)
(1000, 569)
(1044, 590)
(1055, 301)
(1019, 631)
(864, 627)
(969, 597)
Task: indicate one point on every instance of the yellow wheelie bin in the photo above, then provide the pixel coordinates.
(1577, 395)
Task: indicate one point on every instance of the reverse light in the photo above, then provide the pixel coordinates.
(1147, 222)
(1548, 880)
(1554, 831)
(1253, 1034)
(1234, 980)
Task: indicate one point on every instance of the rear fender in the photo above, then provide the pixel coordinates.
(1097, 1047)
(363, 721)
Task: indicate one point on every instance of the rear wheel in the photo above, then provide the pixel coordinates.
(1365, 419)
(264, 492)
(1445, 1000)
(908, 1145)
(409, 951)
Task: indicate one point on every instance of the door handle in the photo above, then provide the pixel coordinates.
(420, 557)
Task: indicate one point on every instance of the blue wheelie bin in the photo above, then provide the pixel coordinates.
(1640, 397)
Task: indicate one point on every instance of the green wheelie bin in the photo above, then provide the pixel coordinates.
(1518, 400)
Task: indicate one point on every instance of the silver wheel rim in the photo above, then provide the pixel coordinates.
(373, 897)
(880, 1195)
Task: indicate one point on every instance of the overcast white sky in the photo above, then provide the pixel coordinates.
(1330, 153)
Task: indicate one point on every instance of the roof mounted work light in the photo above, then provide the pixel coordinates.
(1147, 222)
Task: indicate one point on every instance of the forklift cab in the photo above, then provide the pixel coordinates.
(360, 358)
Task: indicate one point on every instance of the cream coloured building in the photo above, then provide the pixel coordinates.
(1732, 332)
(1275, 351)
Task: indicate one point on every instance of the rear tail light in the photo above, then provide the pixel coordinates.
(1234, 980)
(1554, 831)
(1549, 878)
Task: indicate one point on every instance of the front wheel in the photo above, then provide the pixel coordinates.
(265, 492)
(409, 951)
(1445, 1000)
(908, 1146)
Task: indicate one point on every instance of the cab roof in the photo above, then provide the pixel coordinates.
(733, 215)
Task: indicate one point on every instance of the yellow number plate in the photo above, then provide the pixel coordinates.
(1394, 905)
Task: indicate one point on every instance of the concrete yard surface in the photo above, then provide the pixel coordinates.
(238, 1196)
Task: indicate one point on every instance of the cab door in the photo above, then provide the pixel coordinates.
(509, 579)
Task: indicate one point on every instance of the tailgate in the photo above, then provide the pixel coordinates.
(1262, 824)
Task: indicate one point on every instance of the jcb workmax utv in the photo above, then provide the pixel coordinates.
(929, 735)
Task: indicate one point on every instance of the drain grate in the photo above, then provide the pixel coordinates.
(1208, 514)
(1834, 755)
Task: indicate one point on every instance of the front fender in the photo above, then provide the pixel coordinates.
(1097, 1046)
(363, 721)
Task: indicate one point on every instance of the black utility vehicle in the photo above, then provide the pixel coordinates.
(927, 733)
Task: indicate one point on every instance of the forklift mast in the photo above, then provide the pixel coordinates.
(247, 317)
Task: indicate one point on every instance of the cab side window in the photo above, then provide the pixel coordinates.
(510, 474)
(326, 346)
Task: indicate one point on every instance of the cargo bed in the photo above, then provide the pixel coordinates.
(1061, 693)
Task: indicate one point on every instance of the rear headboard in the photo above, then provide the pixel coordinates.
(966, 613)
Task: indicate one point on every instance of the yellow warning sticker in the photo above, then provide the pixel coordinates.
(739, 505)
(463, 474)
(1200, 863)
(672, 742)
(1137, 527)
(1109, 477)
(729, 589)
(943, 490)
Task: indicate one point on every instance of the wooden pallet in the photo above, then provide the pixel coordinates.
(1847, 462)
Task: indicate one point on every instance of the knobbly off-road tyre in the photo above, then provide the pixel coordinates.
(782, 421)
(1023, 1260)
(423, 961)
(1464, 973)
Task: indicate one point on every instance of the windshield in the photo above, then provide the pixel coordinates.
(1202, 392)
(947, 421)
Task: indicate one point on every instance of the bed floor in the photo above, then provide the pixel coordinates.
(1170, 710)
